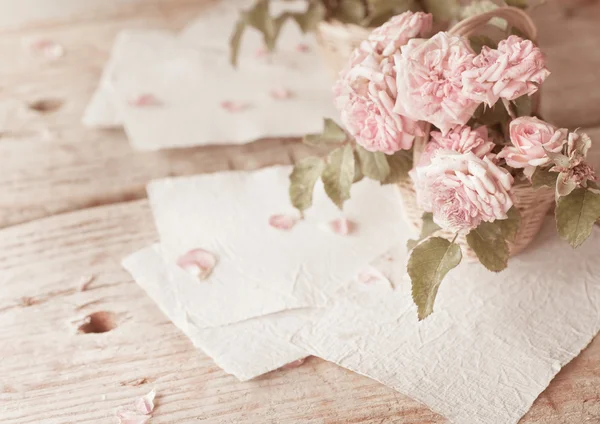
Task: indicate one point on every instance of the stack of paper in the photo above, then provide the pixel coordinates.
(492, 345)
(175, 91)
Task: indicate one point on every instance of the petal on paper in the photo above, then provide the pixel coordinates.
(302, 48)
(233, 106)
(144, 100)
(294, 364)
(281, 94)
(198, 262)
(145, 404)
(282, 222)
(127, 416)
(371, 275)
(342, 226)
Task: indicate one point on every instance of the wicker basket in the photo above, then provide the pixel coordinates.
(337, 42)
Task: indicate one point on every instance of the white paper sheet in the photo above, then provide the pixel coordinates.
(492, 345)
(192, 77)
(246, 349)
(261, 269)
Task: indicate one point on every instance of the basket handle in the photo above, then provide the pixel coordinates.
(514, 16)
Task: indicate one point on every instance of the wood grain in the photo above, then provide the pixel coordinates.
(52, 374)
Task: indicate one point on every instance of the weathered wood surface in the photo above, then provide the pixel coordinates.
(50, 373)
(53, 174)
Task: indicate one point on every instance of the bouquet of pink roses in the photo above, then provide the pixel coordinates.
(450, 119)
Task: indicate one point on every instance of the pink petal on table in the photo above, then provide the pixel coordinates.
(342, 226)
(145, 404)
(127, 416)
(281, 94)
(282, 222)
(294, 364)
(369, 276)
(144, 100)
(261, 52)
(198, 262)
(302, 48)
(233, 106)
(50, 49)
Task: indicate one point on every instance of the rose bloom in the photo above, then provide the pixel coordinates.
(429, 80)
(462, 190)
(516, 68)
(459, 139)
(365, 95)
(389, 37)
(531, 138)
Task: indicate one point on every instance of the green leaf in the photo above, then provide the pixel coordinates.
(400, 164)
(576, 214)
(488, 243)
(523, 106)
(429, 263)
(332, 134)
(309, 20)
(350, 11)
(496, 114)
(559, 159)
(258, 17)
(234, 42)
(478, 41)
(564, 185)
(373, 164)
(522, 4)
(543, 177)
(442, 10)
(428, 227)
(510, 226)
(380, 11)
(338, 174)
(302, 181)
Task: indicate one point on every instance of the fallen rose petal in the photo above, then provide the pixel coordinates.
(302, 48)
(127, 416)
(145, 404)
(342, 226)
(146, 99)
(294, 364)
(50, 49)
(281, 93)
(261, 52)
(231, 106)
(282, 222)
(198, 262)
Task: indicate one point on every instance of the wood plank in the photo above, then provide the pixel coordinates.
(49, 373)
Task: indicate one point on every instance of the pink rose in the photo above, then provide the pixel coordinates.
(462, 190)
(389, 37)
(531, 138)
(365, 96)
(459, 139)
(429, 80)
(516, 68)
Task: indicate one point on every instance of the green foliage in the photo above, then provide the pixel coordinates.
(302, 181)
(428, 264)
(478, 41)
(338, 174)
(428, 227)
(373, 164)
(332, 134)
(576, 213)
(543, 177)
(489, 244)
(400, 164)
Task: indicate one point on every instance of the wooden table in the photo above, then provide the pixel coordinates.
(72, 204)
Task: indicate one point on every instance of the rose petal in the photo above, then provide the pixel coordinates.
(126, 416)
(281, 93)
(294, 364)
(233, 106)
(145, 99)
(198, 262)
(342, 226)
(282, 222)
(48, 48)
(261, 52)
(145, 404)
(302, 48)
(368, 277)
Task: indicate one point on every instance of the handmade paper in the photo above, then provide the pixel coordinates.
(246, 349)
(494, 341)
(261, 269)
(192, 78)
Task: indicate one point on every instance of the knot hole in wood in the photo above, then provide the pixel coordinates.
(98, 322)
